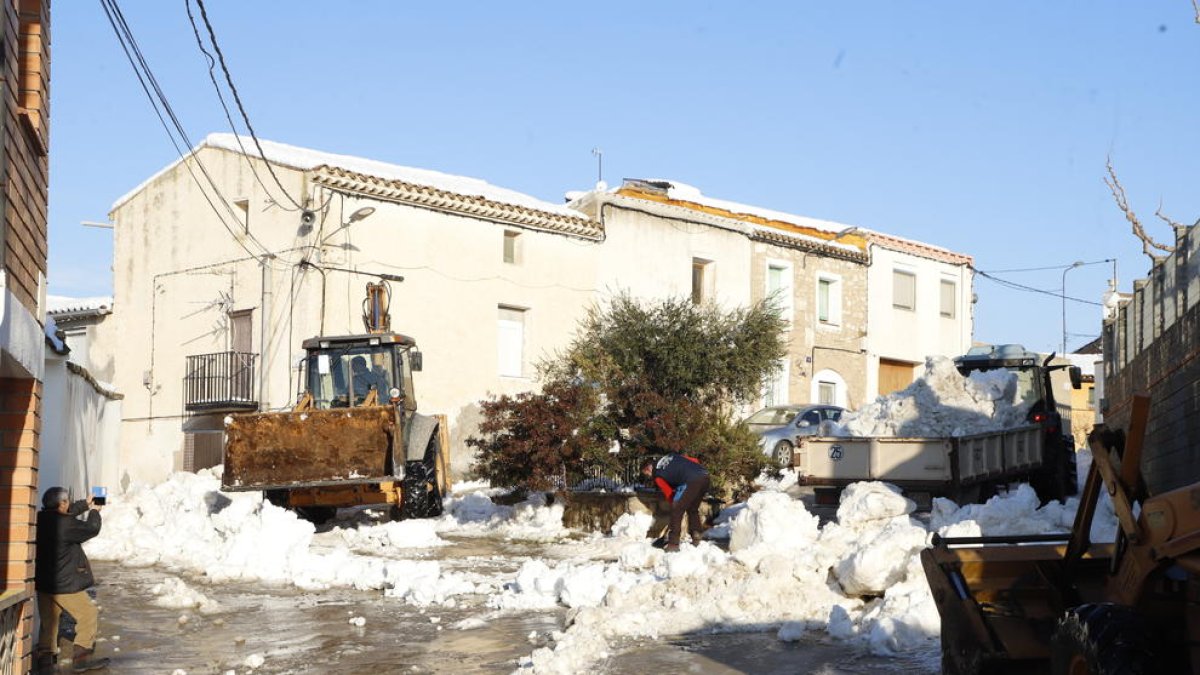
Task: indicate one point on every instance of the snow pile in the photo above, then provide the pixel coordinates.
(174, 593)
(187, 524)
(471, 512)
(772, 522)
(940, 403)
(394, 535)
(783, 572)
(1018, 513)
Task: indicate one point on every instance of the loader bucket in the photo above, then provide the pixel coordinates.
(1000, 597)
(310, 448)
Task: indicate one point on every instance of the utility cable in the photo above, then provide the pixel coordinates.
(146, 80)
(1030, 289)
(212, 64)
(238, 99)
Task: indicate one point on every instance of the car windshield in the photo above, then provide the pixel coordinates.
(773, 416)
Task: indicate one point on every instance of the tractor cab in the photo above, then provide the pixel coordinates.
(1033, 374)
(356, 370)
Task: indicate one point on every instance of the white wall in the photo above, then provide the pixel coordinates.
(911, 335)
(79, 440)
(178, 273)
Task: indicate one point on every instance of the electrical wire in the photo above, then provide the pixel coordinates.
(212, 64)
(1030, 289)
(238, 99)
(161, 106)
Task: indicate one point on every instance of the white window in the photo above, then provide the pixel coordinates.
(776, 390)
(949, 298)
(511, 341)
(904, 289)
(828, 388)
(512, 250)
(702, 280)
(779, 286)
(829, 299)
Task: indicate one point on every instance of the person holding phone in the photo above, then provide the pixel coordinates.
(63, 575)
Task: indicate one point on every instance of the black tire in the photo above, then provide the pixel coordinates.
(783, 454)
(420, 496)
(1102, 639)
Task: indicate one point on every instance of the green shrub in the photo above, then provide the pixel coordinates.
(655, 377)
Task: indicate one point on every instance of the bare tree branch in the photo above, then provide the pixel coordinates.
(1196, 7)
(1165, 218)
(1118, 193)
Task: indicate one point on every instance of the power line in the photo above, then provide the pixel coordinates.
(229, 116)
(238, 99)
(146, 79)
(1030, 289)
(1043, 269)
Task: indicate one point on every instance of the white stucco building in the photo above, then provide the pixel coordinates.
(493, 280)
(223, 267)
(920, 303)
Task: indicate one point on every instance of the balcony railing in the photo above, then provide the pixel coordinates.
(220, 381)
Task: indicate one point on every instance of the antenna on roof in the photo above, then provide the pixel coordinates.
(599, 155)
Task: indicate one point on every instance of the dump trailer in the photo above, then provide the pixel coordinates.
(354, 436)
(965, 468)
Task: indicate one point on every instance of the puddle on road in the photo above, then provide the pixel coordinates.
(759, 653)
(298, 632)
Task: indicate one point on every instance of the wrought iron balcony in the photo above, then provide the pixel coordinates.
(220, 381)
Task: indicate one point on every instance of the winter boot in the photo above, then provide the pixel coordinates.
(697, 538)
(85, 660)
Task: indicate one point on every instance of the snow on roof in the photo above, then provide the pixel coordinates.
(758, 220)
(1086, 362)
(915, 247)
(688, 193)
(305, 159)
(56, 343)
(61, 304)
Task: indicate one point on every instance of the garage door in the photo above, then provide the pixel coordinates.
(894, 375)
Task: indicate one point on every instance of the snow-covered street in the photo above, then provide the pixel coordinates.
(205, 581)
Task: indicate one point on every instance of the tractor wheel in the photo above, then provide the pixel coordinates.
(1102, 639)
(420, 496)
(783, 453)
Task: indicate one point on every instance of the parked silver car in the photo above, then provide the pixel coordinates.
(778, 426)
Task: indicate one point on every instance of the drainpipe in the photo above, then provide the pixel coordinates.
(264, 341)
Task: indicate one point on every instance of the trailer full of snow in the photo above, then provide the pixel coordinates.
(961, 429)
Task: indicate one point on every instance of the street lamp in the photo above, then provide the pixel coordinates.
(1077, 263)
(1068, 268)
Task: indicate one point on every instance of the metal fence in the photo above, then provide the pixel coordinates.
(623, 475)
(12, 604)
(222, 380)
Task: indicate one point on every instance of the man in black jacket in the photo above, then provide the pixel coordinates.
(63, 576)
(683, 482)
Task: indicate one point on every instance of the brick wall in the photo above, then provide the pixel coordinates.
(24, 171)
(1169, 371)
(24, 175)
(20, 427)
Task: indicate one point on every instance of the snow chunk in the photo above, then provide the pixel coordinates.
(941, 402)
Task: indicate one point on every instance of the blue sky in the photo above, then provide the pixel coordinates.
(980, 127)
